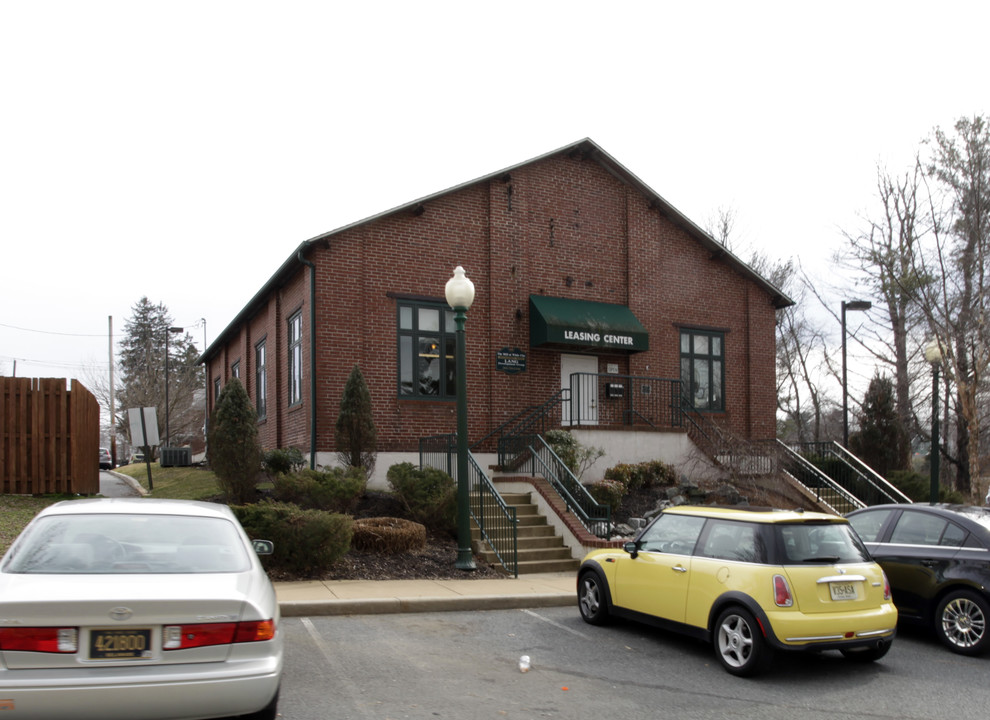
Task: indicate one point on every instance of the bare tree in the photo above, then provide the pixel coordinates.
(800, 344)
(882, 259)
(955, 302)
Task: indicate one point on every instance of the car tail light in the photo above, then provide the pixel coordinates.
(40, 639)
(886, 586)
(180, 637)
(255, 631)
(782, 592)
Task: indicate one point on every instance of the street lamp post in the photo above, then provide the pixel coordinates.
(933, 354)
(460, 294)
(851, 305)
(170, 331)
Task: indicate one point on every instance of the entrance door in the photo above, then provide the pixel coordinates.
(580, 407)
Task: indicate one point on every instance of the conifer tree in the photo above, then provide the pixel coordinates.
(882, 442)
(356, 437)
(142, 371)
(234, 451)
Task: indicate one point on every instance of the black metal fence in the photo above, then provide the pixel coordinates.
(627, 400)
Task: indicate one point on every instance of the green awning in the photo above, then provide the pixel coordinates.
(586, 324)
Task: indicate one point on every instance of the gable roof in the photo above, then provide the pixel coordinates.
(584, 149)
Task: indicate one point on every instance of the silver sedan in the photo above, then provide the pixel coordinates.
(137, 609)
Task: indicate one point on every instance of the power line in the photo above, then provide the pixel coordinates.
(52, 332)
(47, 363)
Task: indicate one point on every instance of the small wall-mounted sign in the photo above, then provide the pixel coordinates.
(510, 361)
(612, 368)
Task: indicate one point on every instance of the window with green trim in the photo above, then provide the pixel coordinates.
(295, 359)
(703, 369)
(427, 342)
(260, 380)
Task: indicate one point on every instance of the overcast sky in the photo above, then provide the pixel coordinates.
(182, 150)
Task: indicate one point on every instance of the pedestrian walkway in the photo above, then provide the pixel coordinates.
(114, 484)
(371, 597)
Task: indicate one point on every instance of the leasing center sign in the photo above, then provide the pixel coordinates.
(560, 321)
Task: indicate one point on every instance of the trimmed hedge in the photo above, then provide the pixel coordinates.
(307, 542)
(334, 490)
(388, 535)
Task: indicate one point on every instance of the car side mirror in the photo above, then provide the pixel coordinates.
(263, 547)
(632, 548)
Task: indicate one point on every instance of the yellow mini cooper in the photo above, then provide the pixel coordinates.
(749, 580)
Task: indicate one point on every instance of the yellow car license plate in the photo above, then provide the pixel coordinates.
(842, 590)
(118, 644)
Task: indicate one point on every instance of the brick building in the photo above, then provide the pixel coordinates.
(578, 266)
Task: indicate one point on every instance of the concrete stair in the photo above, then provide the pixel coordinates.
(541, 550)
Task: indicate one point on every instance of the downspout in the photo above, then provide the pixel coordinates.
(312, 357)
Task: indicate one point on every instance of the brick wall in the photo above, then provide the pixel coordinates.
(560, 226)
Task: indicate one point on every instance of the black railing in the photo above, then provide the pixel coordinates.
(541, 458)
(496, 521)
(735, 454)
(540, 418)
(825, 489)
(851, 473)
(627, 400)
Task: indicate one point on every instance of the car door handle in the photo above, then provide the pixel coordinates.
(679, 568)
(929, 563)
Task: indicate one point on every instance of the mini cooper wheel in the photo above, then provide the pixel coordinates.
(591, 599)
(739, 643)
(961, 623)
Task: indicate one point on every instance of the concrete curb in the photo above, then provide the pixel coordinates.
(382, 606)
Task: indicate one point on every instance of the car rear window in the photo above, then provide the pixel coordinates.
(821, 542)
(123, 543)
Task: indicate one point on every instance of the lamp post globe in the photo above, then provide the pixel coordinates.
(459, 292)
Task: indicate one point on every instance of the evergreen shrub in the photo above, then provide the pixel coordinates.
(609, 492)
(429, 495)
(283, 461)
(334, 490)
(307, 542)
(652, 473)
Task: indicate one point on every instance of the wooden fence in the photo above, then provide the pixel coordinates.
(49, 437)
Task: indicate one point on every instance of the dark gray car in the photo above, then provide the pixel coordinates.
(937, 559)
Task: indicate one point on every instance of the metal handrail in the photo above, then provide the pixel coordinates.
(595, 516)
(626, 400)
(495, 519)
(852, 473)
(510, 444)
(825, 489)
(500, 430)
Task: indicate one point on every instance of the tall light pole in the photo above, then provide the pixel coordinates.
(460, 294)
(851, 305)
(933, 354)
(167, 434)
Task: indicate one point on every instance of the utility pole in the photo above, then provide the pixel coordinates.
(113, 418)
